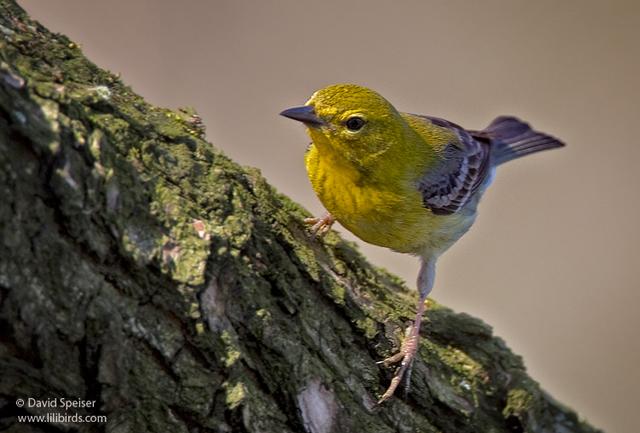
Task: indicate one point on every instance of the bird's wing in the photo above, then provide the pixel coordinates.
(448, 186)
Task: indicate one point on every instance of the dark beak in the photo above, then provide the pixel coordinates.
(304, 114)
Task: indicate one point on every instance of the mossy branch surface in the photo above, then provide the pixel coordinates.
(143, 269)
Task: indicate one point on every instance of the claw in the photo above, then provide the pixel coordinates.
(393, 359)
(320, 226)
(408, 350)
(406, 355)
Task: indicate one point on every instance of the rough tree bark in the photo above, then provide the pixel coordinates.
(142, 269)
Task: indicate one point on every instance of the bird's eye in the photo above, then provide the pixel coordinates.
(354, 123)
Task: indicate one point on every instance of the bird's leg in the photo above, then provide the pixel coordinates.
(320, 226)
(410, 344)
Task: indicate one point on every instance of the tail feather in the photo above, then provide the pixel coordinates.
(511, 138)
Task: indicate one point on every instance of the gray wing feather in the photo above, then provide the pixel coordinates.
(448, 187)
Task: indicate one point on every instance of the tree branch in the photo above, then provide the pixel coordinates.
(142, 269)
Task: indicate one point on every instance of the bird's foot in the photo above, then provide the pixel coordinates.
(320, 226)
(405, 357)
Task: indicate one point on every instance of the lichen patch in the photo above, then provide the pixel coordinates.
(318, 407)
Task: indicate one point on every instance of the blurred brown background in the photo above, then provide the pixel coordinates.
(553, 262)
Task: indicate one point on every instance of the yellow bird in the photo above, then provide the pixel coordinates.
(408, 182)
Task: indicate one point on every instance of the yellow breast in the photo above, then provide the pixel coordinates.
(388, 214)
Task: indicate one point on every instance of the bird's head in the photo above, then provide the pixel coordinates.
(353, 121)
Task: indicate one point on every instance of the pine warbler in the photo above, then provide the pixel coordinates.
(408, 182)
